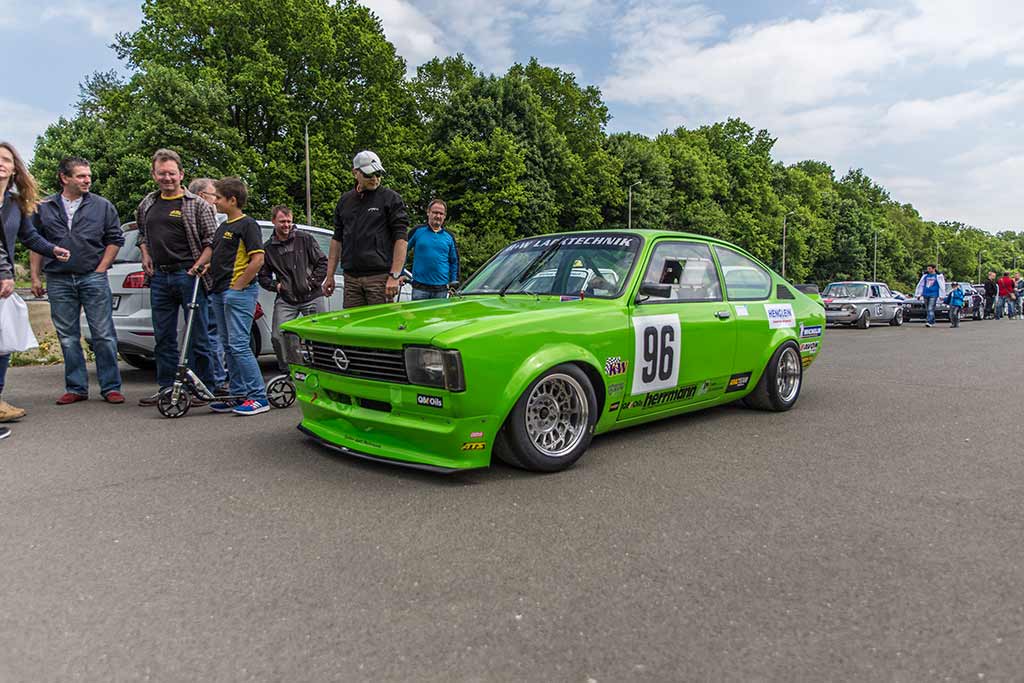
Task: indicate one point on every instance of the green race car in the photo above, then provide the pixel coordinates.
(555, 339)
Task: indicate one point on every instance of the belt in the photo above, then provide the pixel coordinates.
(172, 268)
(429, 288)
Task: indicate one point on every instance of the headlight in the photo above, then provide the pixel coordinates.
(432, 367)
(294, 350)
(849, 307)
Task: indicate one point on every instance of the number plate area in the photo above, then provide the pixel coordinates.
(658, 345)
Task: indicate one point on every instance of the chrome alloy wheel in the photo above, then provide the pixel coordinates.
(787, 374)
(557, 415)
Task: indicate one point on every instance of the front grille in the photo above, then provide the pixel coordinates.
(383, 365)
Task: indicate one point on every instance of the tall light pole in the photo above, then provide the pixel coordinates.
(938, 245)
(784, 217)
(309, 201)
(629, 215)
(874, 264)
(979, 266)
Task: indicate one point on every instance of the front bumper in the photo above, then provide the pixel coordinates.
(392, 423)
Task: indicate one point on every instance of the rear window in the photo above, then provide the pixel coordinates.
(744, 278)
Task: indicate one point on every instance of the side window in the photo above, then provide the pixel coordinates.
(323, 240)
(682, 271)
(875, 292)
(745, 280)
(885, 292)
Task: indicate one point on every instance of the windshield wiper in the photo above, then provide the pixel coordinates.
(532, 267)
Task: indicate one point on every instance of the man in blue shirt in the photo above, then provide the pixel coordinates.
(435, 261)
(88, 225)
(932, 287)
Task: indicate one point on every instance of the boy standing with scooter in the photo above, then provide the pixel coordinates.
(236, 261)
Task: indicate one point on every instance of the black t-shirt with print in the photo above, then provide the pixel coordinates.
(168, 243)
(233, 245)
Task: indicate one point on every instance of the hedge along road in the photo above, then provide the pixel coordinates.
(872, 532)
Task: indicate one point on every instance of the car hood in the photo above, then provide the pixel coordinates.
(444, 322)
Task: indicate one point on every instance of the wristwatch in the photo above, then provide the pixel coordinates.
(395, 275)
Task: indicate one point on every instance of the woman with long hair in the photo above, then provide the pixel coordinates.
(19, 195)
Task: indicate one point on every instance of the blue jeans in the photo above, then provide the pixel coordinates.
(418, 294)
(929, 304)
(5, 360)
(169, 293)
(220, 371)
(70, 294)
(234, 311)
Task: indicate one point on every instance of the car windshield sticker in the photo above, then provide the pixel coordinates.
(656, 364)
(809, 347)
(737, 382)
(779, 316)
(741, 312)
(812, 331)
(614, 366)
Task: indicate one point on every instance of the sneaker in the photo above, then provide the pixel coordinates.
(149, 401)
(114, 396)
(927, 324)
(68, 398)
(9, 412)
(253, 406)
(198, 400)
(223, 406)
(4, 433)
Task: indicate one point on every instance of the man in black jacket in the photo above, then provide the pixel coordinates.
(370, 237)
(294, 268)
(991, 291)
(89, 226)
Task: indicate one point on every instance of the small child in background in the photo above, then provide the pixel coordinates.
(956, 304)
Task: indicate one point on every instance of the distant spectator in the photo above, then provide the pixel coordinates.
(293, 268)
(89, 225)
(1018, 287)
(1005, 302)
(991, 294)
(19, 196)
(931, 287)
(435, 260)
(955, 300)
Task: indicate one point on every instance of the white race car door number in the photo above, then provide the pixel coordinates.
(656, 364)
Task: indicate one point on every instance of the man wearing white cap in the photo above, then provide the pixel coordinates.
(370, 232)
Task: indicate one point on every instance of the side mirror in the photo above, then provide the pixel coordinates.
(648, 289)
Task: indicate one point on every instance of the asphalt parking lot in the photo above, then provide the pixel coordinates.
(872, 533)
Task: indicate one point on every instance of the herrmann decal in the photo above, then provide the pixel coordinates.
(657, 398)
(614, 366)
(812, 331)
(737, 382)
(474, 446)
(430, 401)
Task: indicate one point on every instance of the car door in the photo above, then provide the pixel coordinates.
(748, 289)
(890, 302)
(877, 304)
(683, 332)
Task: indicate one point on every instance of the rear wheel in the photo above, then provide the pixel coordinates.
(552, 423)
(780, 383)
(864, 321)
(281, 391)
(897, 319)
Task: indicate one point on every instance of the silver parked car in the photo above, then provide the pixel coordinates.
(861, 303)
(130, 289)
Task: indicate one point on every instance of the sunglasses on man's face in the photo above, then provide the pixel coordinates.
(373, 174)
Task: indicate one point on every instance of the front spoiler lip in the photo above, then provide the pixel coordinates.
(345, 450)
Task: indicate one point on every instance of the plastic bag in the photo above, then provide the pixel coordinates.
(15, 331)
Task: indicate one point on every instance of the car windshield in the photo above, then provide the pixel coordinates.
(129, 251)
(591, 265)
(845, 290)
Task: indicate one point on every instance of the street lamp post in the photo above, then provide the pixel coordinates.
(874, 263)
(629, 214)
(938, 245)
(979, 266)
(784, 217)
(309, 202)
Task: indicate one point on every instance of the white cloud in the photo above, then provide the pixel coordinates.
(102, 17)
(414, 35)
(917, 118)
(22, 123)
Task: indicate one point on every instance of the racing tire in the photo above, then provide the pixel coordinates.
(172, 409)
(281, 391)
(780, 383)
(864, 321)
(137, 361)
(552, 423)
(897, 319)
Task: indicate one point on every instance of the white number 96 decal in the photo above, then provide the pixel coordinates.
(656, 364)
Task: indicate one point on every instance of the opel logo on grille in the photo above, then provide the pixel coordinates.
(340, 359)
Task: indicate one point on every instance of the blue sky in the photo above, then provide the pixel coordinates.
(925, 95)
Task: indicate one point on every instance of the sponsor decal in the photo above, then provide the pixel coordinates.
(658, 346)
(474, 445)
(737, 382)
(476, 435)
(809, 347)
(742, 312)
(592, 241)
(806, 360)
(175, 214)
(779, 316)
(616, 388)
(613, 407)
(614, 366)
(658, 398)
(430, 401)
(300, 376)
(567, 297)
(812, 331)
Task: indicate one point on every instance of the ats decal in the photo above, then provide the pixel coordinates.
(737, 382)
(779, 316)
(614, 366)
(474, 446)
(812, 331)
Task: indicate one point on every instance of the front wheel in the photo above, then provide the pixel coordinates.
(864, 322)
(897, 319)
(281, 391)
(552, 423)
(168, 407)
(780, 383)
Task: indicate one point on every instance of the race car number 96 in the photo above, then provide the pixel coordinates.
(657, 353)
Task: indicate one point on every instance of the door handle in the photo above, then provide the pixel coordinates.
(722, 315)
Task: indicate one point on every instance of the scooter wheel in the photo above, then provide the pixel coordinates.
(169, 408)
(281, 391)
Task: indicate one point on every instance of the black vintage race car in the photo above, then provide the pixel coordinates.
(974, 305)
